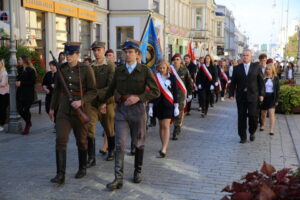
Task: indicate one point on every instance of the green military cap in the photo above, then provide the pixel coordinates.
(98, 44)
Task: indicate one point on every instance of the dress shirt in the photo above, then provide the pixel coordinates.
(246, 67)
(131, 67)
(269, 86)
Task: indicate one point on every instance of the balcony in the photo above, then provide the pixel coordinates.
(219, 40)
(201, 34)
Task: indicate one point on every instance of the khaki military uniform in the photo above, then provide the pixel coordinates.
(66, 117)
(104, 74)
(184, 74)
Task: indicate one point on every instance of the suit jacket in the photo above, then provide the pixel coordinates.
(202, 79)
(27, 78)
(252, 83)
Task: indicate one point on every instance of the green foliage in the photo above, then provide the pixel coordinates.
(24, 51)
(289, 97)
(292, 46)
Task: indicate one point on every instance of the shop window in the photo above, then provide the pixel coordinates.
(62, 31)
(35, 31)
(123, 33)
(98, 32)
(85, 37)
(198, 18)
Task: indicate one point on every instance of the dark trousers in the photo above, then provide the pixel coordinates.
(204, 96)
(188, 106)
(23, 107)
(48, 103)
(212, 97)
(247, 109)
(4, 102)
(64, 124)
(223, 85)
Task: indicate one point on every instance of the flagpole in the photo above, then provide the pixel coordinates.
(149, 17)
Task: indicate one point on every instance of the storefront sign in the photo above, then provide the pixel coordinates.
(45, 5)
(65, 9)
(87, 14)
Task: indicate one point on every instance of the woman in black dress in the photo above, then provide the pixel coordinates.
(206, 80)
(48, 84)
(271, 97)
(223, 75)
(165, 107)
(25, 91)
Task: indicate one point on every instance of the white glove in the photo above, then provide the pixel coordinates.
(216, 84)
(199, 87)
(150, 111)
(212, 87)
(189, 98)
(229, 81)
(176, 109)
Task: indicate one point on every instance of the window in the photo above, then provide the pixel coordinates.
(198, 18)
(85, 37)
(62, 31)
(1, 5)
(122, 34)
(98, 32)
(219, 29)
(156, 6)
(35, 31)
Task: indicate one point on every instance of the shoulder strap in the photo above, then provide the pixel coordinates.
(80, 84)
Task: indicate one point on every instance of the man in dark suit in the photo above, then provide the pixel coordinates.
(248, 83)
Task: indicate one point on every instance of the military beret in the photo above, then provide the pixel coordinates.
(270, 60)
(98, 44)
(176, 55)
(72, 47)
(109, 51)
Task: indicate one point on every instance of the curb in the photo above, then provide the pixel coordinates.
(294, 133)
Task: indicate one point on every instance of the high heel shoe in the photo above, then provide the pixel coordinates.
(102, 152)
(162, 154)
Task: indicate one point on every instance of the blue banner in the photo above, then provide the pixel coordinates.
(150, 48)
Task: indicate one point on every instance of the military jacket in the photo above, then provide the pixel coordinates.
(71, 76)
(134, 83)
(104, 74)
(185, 76)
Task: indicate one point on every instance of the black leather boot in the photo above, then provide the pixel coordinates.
(119, 165)
(132, 149)
(61, 158)
(82, 156)
(91, 153)
(111, 148)
(175, 133)
(138, 163)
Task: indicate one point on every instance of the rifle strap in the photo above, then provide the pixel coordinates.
(80, 84)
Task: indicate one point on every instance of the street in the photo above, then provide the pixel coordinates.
(206, 157)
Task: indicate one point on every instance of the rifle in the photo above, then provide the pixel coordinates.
(83, 117)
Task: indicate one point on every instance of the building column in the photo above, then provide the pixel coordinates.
(74, 25)
(50, 37)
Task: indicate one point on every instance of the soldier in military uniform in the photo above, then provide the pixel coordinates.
(80, 80)
(104, 71)
(129, 86)
(184, 91)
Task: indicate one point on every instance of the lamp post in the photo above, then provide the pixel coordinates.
(14, 125)
(298, 54)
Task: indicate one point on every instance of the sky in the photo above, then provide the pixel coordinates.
(261, 20)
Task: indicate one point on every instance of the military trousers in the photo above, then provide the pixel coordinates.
(106, 120)
(65, 122)
(179, 119)
(130, 119)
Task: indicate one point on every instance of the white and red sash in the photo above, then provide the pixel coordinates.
(178, 80)
(207, 73)
(163, 88)
(223, 74)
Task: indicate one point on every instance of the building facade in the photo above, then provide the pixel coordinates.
(45, 25)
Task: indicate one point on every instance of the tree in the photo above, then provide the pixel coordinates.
(291, 47)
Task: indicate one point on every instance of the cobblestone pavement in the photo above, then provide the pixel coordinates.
(206, 157)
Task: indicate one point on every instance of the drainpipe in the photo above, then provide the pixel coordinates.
(108, 32)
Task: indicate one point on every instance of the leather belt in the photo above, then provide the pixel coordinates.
(75, 94)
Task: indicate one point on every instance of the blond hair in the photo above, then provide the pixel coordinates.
(2, 65)
(272, 67)
(161, 62)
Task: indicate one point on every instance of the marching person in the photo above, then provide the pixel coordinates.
(262, 62)
(80, 80)
(104, 71)
(4, 94)
(271, 97)
(129, 86)
(290, 71)
(206, 80)
(193, 70)
(248, 85)
(61, 58)
(25, 91)
(166, 106)
(110, 56)
(48, 84)
(184, 83)
(224, 80)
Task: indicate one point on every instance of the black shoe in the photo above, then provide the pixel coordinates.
(82, 157)
(252, 137)
(203, 115)
(261, 129)
(91, 153)
(271, 133)
(138, 163)
(102, 152)
(243, 141)
(116, 184)
(110, 156)
(175, 137)
(81, 173)
(111, 148)
(162, 154)
(137, 177)
(61, 167)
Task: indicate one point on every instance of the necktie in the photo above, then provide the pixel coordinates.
(129, 69)
(246, 69)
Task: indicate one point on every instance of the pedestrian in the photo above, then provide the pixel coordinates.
(206, 80)
(215, 92)
(61, 58)
(129, 86)
(271, 97)
(223, 74)
(166, 106)
(262, 64)
(248, 86)
(278, 69)
(88, 61)
(80, 80)
(4, 94)
(48, 84)
(290, 71)
(104, 71)
(184, 84)
(110, 55)
(192, 70)
(25, 83)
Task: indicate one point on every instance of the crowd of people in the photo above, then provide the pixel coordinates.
(123, 97)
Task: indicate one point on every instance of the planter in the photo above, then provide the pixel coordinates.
(296, 110)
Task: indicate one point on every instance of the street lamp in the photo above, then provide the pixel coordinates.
(14, 125)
